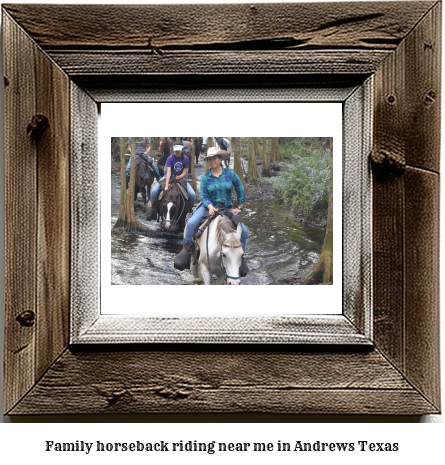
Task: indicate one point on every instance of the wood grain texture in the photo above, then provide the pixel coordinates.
(85, 263)
(121, 63)
(406, 207)
(218, 381)
(340, 25)
(423, 92)
(422, 281)
(388, 268)
(219, 88)
(20, 213)
(53, 199)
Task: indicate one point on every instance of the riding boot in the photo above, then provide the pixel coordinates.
(243, 269)
(127, 180)
(182, 260)
(152, 211)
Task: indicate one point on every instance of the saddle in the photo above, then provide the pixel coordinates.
(143, 158)
(222, 211)
(182, 186)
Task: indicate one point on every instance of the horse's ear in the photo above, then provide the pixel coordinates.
(238, 231)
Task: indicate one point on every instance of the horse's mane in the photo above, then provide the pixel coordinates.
(225, 224)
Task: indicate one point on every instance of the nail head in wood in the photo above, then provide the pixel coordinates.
(26, 318)
(37, 126)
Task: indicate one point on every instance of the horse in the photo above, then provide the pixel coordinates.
(225, 253)
(206, 143)
(198, 147)
(173, 207)
(165, 149)
(144, 179)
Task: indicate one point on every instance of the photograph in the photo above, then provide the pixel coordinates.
(265, 204)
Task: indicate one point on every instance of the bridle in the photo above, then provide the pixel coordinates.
(222, 264)
(177, 199)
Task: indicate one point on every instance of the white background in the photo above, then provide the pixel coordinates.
(245, 120)
(22, 442)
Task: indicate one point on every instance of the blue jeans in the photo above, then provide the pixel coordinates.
(155, 191)
(127, 169)
(195, 221)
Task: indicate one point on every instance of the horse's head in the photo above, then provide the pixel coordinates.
(231, 254)
(164, 145)
(169, 209)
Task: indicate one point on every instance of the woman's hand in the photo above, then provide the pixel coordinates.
(235, 210)
(212, 209)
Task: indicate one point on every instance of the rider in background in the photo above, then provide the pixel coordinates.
(216, 190)
(176, 166)
(142, 150)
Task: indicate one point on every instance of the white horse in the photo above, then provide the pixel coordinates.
(211, 142)
(225, 253)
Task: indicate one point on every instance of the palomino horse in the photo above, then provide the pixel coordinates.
(212, 142)
(144, 179)
(173, 207)
(225, 253)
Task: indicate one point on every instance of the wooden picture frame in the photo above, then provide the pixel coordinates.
(54, 69)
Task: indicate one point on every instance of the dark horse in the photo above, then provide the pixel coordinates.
(144, 179)
(198, 146)
(172, 207)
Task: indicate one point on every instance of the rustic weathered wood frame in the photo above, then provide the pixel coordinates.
(51, 65)
(89, 321)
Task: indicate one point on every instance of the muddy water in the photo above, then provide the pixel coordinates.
(277, 247)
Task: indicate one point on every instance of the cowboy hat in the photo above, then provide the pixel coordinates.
(213, 151)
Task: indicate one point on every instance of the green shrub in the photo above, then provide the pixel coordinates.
(305, 183)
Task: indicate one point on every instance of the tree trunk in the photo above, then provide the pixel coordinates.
(237, 167)
(192, 164)
(323, 271)
(252, 170)
(265, 172)
(209, 141)
(127, 217)
(255, 147)
(154, 143)
(276, 153)
(122, 218)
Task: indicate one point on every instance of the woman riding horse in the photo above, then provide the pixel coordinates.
(176, 166)
(216, 190)
(142, 150)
